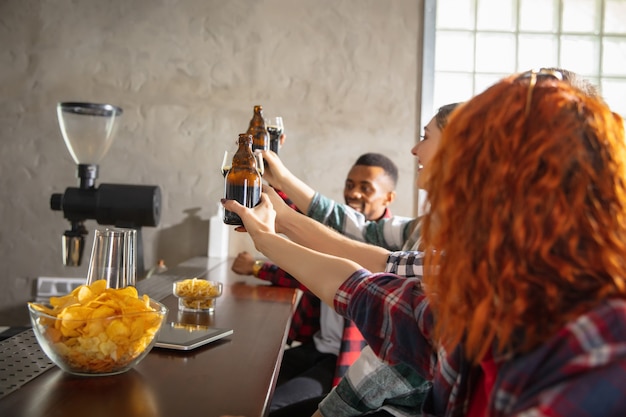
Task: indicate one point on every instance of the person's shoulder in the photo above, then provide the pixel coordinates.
(590, 338)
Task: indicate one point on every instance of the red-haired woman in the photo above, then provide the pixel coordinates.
(521, 310)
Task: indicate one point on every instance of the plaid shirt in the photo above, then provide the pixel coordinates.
(370, 384)
(581, 371)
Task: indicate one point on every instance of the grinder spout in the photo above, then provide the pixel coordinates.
(74, 244)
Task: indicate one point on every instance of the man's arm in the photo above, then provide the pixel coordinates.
(314, 235)
(390, 233)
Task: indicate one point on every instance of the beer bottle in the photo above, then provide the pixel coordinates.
(243, 181)
(260, 137)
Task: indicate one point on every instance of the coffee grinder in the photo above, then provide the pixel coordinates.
(88, 131)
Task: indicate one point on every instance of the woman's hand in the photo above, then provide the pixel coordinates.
(256, 220)
(280, 207)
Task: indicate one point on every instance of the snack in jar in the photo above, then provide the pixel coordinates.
(196, 294)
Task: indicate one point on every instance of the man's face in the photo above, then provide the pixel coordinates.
(368, 190)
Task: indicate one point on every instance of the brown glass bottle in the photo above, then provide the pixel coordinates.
(260, 137)
(243, 181)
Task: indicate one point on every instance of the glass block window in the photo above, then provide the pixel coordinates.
(477, 42)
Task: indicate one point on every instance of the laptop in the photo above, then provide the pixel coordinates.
(181, 336)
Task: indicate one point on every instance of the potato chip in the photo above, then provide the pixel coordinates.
(95, 329)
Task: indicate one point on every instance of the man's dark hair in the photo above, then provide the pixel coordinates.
(379, 160)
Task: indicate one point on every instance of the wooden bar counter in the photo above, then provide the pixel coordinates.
(235, 375)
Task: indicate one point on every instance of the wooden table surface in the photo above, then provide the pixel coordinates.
(235, 375)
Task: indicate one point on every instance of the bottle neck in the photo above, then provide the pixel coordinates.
(244, 157)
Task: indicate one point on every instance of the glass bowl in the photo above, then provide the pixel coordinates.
(106, 345)
(197, 294)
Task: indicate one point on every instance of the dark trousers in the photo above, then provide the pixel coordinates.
(305, 374)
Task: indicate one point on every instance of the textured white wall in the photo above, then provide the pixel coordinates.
(187, 73)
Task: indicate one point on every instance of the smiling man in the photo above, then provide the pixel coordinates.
(370, 185)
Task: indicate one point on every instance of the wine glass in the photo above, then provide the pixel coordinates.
(114, 257)
(226, 163)
(259, 162)
(275, 128)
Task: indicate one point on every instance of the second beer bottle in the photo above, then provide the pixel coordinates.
(243, 181)
(258, 130)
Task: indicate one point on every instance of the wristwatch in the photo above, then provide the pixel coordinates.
(258, 264)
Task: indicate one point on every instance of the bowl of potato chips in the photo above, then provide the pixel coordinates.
(195, 294)
(96, 330)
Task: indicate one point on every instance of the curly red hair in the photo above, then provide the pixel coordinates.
(529, 210)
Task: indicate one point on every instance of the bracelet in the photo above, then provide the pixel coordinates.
(258, 264)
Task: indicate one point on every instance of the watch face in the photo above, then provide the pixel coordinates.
(258, 264)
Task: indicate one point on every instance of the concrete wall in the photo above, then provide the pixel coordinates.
(342, 73)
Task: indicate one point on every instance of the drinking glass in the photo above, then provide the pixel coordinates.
(275, 128)
(114, 257)
(227, 162)
(259, 162)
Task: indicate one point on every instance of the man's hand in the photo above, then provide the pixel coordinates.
(243, 263)
(279, 177)
(275, 170)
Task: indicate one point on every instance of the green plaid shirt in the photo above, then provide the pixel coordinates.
(370, 385)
